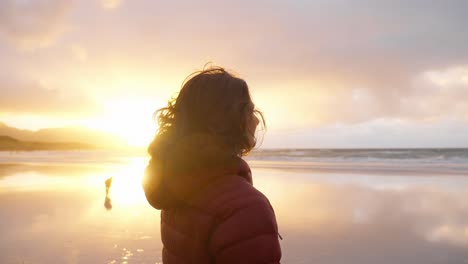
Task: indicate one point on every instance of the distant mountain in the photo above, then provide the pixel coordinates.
(76, 136)
(9, 143)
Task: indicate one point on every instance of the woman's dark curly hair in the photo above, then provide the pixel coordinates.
(211, 102)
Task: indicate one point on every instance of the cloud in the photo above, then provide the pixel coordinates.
(341, 61)
(308, 63)
(453, 234)
(30, 96)
(435, 97)
(110, 4)
(377, 133)
(79, 52)
(33, 24)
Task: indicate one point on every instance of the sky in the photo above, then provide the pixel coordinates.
(339, 74)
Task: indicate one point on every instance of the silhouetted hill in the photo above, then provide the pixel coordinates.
(9, 143)
(66, 136)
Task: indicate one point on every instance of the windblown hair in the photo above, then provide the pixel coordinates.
(213, 103)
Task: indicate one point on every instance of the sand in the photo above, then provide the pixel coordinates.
(57, 214)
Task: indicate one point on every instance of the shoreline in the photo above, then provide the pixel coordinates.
(374, 169)
(377, 169)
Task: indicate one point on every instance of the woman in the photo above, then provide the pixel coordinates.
(210, 211)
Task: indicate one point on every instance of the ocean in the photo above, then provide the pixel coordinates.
(439, 161)
(332, 206)
(450, 155)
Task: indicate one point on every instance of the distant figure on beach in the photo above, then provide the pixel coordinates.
(210, 210)
(107, 200)
(108, 184)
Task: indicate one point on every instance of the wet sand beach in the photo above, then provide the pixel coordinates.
(57, 214)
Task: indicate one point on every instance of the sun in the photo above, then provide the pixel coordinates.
(129, 118)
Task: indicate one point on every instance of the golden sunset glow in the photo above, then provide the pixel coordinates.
(129, 119)
(362, 156)
(108, 65)
(126, 184)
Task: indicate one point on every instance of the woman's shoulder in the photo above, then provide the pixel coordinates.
(245, 229)
(231, 194)
(243, 224)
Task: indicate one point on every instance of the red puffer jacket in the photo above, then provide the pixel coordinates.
(213, 215)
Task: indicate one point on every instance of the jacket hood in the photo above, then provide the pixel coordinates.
(187, 167)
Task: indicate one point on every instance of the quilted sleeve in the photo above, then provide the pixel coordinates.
(248, 235)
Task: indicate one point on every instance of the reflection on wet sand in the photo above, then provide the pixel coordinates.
(8, 169)
(108, 200)
(323, 218)
(108, 203)
(361, 222)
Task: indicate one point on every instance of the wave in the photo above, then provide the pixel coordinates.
(363, 155)
(438, 161)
